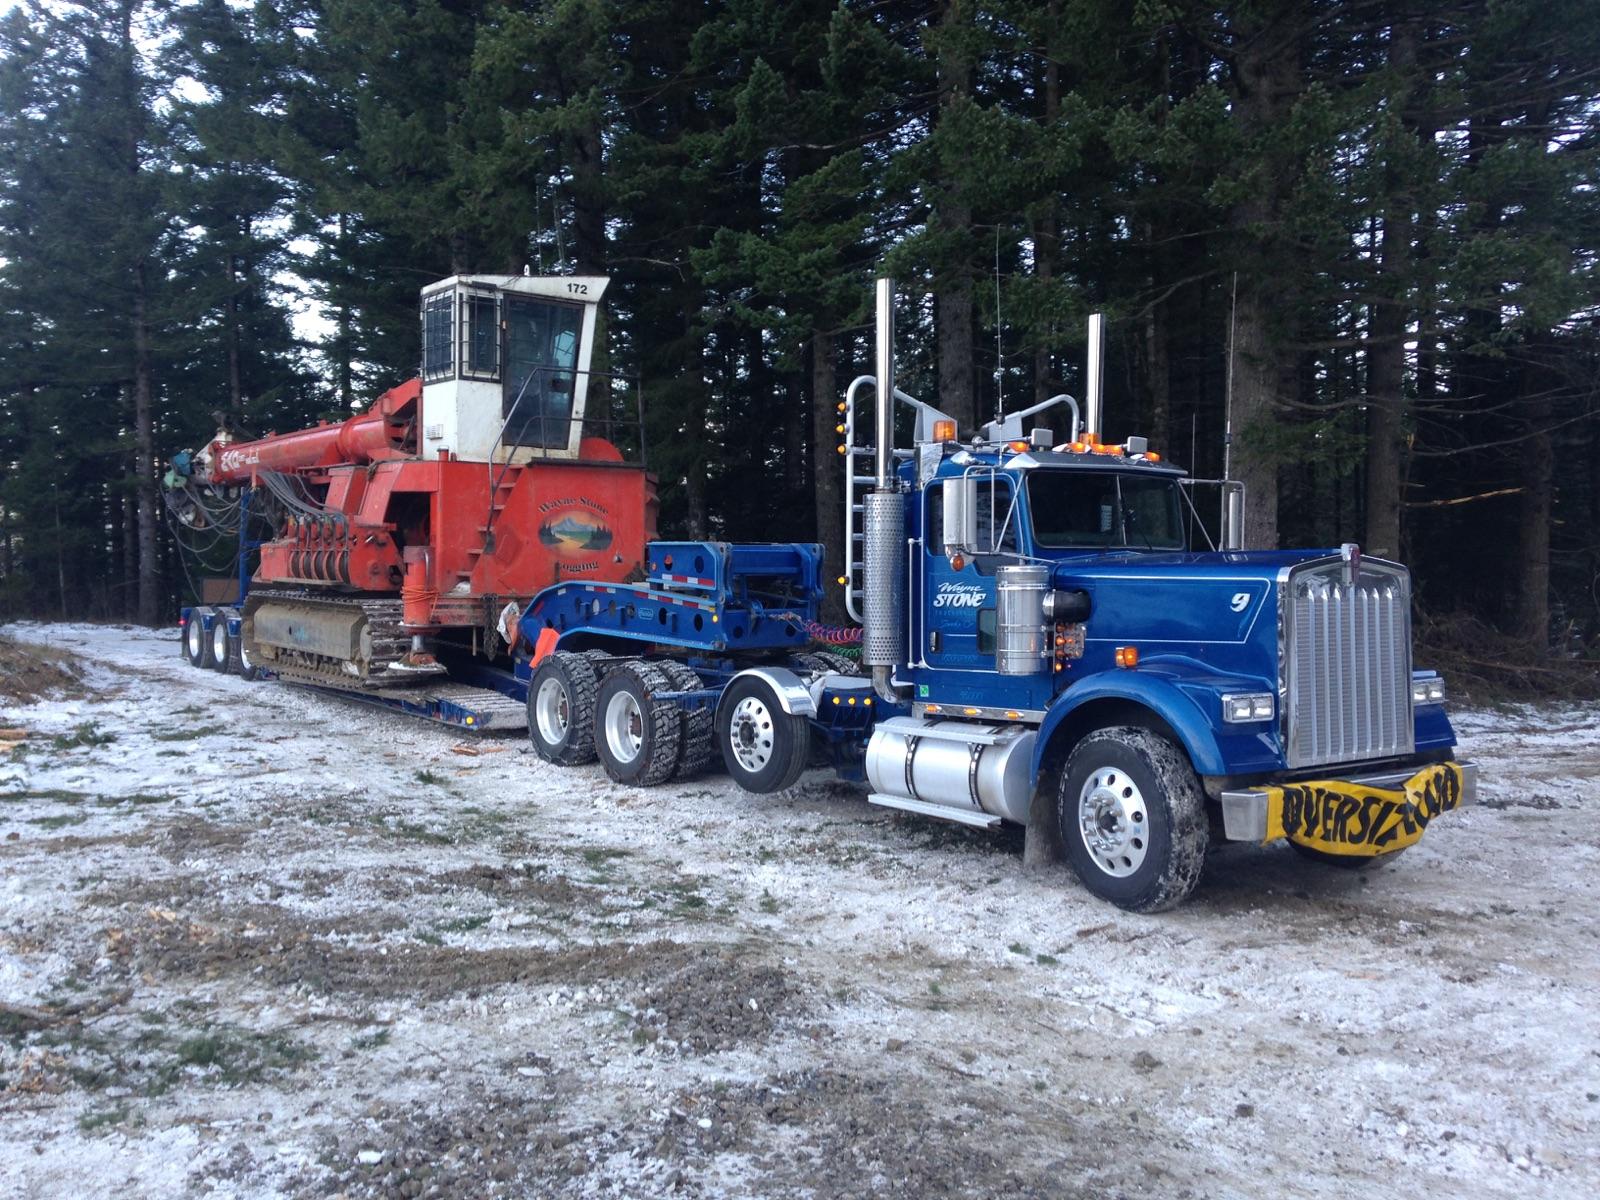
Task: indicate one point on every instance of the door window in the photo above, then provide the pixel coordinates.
(541, 368)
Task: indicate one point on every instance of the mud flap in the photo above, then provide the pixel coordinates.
(1041, 842)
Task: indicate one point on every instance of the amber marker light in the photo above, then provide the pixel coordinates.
(944, 431)
(1152, 456)
(1127, 656)
(1018, 447)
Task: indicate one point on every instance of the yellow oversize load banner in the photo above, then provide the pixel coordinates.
(1354, 820)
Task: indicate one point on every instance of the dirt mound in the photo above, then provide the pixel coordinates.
(29, 673)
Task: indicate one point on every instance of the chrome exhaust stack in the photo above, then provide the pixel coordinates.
(1094, 374)
(883, 523)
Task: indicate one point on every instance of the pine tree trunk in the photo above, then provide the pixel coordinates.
(1386, 353)
(1044, 230)
(235, 391)
(1268, 77)
(827, 468)
(1259, 384)
(144, 455)
(1386, 360)
(1533, 516)
(953, 318)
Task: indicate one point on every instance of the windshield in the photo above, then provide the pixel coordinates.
(1081, 509)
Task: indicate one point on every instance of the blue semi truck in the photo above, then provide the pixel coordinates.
(1039, 640)
(1040, 643)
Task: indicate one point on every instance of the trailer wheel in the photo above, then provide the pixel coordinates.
(221, 659)
(764, 748)
(827, 662)
(1132, 817)
(636, 736)
(196, 641)
(561, 709)
(697, 738)
(239, 661)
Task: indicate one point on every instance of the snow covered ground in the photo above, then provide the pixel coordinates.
(255, 942)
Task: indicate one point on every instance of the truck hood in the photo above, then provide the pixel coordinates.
(1220, 608)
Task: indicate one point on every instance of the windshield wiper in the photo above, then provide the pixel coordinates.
(1130, 519)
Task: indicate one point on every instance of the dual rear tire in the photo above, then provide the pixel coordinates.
(583, 707)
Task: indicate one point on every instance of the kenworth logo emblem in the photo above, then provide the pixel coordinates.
(958, 595)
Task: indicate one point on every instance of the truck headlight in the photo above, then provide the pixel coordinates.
(1427, 690)
(1247, 706)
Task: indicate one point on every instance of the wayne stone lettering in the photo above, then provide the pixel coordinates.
(1335, 818)
(958, 595)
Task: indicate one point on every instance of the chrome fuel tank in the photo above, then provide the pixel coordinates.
(969, 768)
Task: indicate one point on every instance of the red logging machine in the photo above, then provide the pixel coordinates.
(455, 496)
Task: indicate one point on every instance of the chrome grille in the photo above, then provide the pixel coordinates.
(1346, 663)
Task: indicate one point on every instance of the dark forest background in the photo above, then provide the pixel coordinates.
(1386, 208)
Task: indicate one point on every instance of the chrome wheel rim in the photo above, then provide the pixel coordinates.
(244, 655)
(194, 635)
(1114, 822)
(219, 642)
(552, 712)
(624, 725)
(751, 734)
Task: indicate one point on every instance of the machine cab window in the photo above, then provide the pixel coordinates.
(505, 364)
(541, 344)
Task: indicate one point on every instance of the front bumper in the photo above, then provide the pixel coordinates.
(1359, 817)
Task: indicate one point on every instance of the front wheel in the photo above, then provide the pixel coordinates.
(561, 709)
(764, 748)
(1132, 817)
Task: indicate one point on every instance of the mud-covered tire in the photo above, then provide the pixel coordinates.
(636, 736)
(1132, 817)
(561, 699)
(221, 657)
(197, 639)
(239, 662)
(697, 736)
(764, 748)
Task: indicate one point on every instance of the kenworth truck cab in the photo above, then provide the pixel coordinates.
(1055, 652)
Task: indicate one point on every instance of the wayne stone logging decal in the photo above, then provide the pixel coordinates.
(574, 527)
(959, 595)
(1348, 819)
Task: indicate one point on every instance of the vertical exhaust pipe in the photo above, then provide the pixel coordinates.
(1094, 373)
(885, 382)
(883, 523)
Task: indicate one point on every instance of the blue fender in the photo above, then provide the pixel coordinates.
(1157, 692)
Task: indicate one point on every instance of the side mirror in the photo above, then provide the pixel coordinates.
(960, 533)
